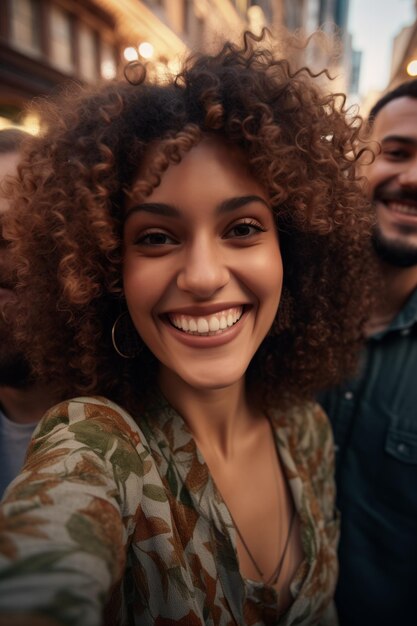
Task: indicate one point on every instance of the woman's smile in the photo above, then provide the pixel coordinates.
(208, 324)
(210, 331)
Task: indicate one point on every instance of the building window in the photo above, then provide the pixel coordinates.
(241, 6)
(108, 66)
(25, 25)
(294, 14)
(61, 39)
(87, 52)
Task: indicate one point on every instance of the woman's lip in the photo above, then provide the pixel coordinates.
(207, 341)
(209, 309)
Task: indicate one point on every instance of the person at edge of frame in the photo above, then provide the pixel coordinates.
(374, 415)
(22, 400)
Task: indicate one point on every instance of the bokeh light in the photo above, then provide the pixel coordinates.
(130, 54)
(146, 50)
(412, 68)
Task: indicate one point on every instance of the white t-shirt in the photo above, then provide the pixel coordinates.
(14, 440)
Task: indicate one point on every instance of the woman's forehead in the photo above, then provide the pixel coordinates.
(213, 165)
(218, 147)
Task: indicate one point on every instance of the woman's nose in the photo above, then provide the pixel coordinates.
(203, 271)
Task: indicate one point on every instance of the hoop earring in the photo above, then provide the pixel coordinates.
(124, 337)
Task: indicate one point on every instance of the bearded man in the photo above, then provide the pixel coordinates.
(374, 416)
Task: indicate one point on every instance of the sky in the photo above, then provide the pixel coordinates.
(373, 25)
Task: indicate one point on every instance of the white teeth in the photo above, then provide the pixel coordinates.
(212, 324)
(202, 325)
(192, 326)
(403, 208)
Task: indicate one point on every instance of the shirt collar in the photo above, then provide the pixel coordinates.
(405, 319)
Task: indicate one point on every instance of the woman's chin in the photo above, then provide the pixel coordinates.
(208, 379)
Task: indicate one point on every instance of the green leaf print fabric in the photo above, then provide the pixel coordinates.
(112, 523)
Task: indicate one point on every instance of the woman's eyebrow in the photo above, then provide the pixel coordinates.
(236, 203)
(158, 208)
(169, 210)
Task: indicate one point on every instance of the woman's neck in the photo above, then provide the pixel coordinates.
(217, 418)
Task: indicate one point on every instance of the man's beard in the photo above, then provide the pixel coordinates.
(14, 368)
(393, 251)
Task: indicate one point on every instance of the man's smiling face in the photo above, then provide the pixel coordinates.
(392, 180)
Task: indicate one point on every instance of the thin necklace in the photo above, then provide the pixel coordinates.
(276, 573)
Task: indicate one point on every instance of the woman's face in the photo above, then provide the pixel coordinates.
(202, 268)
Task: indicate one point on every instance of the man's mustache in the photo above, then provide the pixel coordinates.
(395, 195)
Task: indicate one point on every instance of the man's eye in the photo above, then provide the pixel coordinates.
(244, 229)
(155, 239)
(397, 154)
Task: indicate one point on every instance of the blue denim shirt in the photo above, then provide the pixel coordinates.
(374, 420)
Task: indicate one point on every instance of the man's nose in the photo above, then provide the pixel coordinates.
(408, 177)
(203, 270)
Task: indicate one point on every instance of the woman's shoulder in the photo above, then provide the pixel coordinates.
(94, 428)
(88, 442)
(305, 425)
(310, 413)
(74, 407)
(79, 412)
(301, 416)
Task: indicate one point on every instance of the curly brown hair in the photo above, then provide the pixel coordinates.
(66, 226)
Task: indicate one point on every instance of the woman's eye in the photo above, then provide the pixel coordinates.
(155, 239)
(245, 229)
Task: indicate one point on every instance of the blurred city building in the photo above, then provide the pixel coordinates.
(403, 66)
(404, 55)
(45, 43)
(356, 59)
(330, 47)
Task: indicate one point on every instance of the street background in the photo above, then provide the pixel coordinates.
(46, 43)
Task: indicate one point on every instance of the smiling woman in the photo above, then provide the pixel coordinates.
(197, 254)
(202, 253)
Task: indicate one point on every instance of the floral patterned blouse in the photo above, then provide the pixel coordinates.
(109, 523)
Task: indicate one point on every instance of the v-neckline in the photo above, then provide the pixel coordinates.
(209, 503)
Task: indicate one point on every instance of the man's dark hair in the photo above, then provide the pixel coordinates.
(11, 139)
(407, 89)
